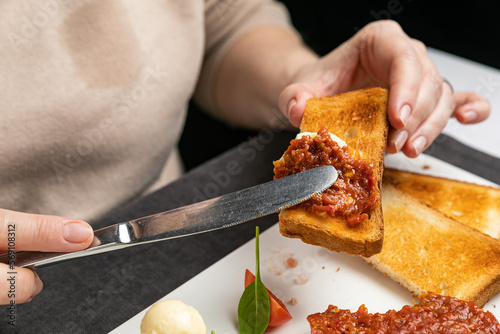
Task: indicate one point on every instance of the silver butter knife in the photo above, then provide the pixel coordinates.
(220, 212)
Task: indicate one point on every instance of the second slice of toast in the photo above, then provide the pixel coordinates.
(474, 205)
(426, 251)
(360, 119)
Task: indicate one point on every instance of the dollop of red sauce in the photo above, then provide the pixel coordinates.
(434, 314)
(353, 193)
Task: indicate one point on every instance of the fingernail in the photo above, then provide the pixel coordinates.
(404, 114)
(76, 232)
(400, 140)
(290, 106)
(38, 286)
(419, 144)
(470, 115)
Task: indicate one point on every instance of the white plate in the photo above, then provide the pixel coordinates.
(333, 278)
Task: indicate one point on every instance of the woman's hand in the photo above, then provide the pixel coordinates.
(22, 231)
(381, 54)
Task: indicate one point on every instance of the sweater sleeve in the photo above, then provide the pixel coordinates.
(225, 22)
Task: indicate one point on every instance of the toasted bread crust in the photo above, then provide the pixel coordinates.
(474, 205)
(424, 250)
(360, 119)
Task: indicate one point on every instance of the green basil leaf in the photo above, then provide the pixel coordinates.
(254, 310)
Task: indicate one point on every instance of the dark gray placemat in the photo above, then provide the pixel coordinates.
(456, 153)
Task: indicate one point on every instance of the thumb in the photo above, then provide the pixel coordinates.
(19, 285)
(43, 233)
(292, 101)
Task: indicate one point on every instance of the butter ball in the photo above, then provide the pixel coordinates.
(172, 317)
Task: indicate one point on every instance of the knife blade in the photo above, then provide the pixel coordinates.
(217, 213)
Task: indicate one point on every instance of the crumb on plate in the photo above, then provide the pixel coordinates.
(291, 262)
(301, 279)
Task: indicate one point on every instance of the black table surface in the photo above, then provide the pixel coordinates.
(98, 293)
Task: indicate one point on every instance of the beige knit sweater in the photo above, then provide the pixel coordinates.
(94, 93)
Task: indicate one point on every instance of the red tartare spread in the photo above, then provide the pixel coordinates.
(434, 314)
(351, 196)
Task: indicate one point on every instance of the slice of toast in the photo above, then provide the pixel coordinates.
(474, 205)
(426, 251)
(360, 119)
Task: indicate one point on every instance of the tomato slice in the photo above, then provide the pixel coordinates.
(279, 313)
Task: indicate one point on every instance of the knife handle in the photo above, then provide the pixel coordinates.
(105, 240)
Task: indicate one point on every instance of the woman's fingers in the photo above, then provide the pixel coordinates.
(405, 81)
(18, 285)
(24, 231)
(431, 127)
(467, 107)
(428, 98)
(471, 107)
